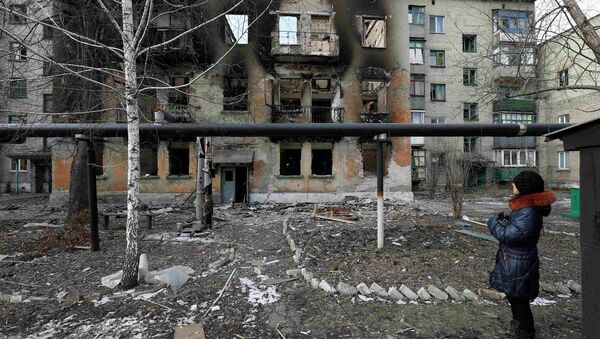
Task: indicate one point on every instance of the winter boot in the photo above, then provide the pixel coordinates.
(514, 327)
(521, 334)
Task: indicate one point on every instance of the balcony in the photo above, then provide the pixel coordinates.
(375, 117)
(515, 71)
(514, 142)
(417, 103)
(515, 105)
(307, 114)
(288, 46)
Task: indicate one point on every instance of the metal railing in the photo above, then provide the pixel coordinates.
(306, 114)
(375, 117)
(305, 43)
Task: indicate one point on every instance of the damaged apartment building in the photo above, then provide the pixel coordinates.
(316, 61)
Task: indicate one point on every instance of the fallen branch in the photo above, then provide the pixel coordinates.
(221, 293)
(333, 219)
(281, 334)
(157, 304)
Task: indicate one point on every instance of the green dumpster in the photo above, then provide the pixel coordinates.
(575, 211)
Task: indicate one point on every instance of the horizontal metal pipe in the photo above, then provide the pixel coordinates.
(192, 130)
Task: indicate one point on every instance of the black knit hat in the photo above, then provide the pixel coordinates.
(529, 182)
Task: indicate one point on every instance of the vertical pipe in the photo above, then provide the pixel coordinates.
(199, 166)
(17, 175)
(92, 197)
(380, 170)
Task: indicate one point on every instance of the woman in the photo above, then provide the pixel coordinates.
(516, 272)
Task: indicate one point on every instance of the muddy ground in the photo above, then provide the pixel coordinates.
(422, 248)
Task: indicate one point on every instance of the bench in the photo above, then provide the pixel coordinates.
(106, 216)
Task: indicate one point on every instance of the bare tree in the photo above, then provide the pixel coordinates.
(126, 51)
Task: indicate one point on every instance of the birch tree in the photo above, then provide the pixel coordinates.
(128, 50)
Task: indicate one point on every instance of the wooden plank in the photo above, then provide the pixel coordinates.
(195, 331)
(478, 235)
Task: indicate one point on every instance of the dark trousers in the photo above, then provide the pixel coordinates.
(521, 312)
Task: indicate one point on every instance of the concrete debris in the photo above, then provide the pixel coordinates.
(575, 287)
(422, 293)
(491, 295)
(363, 289)
(226, 259)
(60, 296)
(314, 283)
(395, 294)
(437, 293)
(195, 331)
(380, 291)
(470, 295)
(562, 288)
(34, 298)
(112, 280)
(296, 273)
(542, 302)
(175, 277)
(11, 298)
(408, 293)
(292, 245)
(335, 213)
(324, 285)
(143, 267)
(306, 274)
(549, 288)
(273, 281)
(285, 225)
(364, 298)
(3, 256)
(454, 295)
(346, 289)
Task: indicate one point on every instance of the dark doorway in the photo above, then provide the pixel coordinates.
(321, 111)
(234, 185)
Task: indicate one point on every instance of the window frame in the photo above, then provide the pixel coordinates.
(468, 109)
(17, 52)
(435, 53)
(290, 147)
(321, 148)
(419, 169)
(564, 160)
(418, 14)
(470, 76)
(413, 84)
(501, 155)
(412, 46)
(465, 38)
(363, 33)
(564, 119)
(45, 99)
(13, 169)
(433, 28)
(15, 19)
(288, 41)
(16, 92)
(244, 38)
(470, 144)
(431, 91)
(21, 119)
(563, 78)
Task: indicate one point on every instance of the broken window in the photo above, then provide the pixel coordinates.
(470, 111)
(437, 58)
(169, 20)
(178, 97)
(148, 159)
(369, 157)
(47, 105)
(417, 52)
(290, 93)
(563, 78)
(469, 76)
(374, 96)
(17, 88)
(321, 84)
(417, 85)
(47, 30)
(236, 29)
(436, 24)
(416, 15)
(17, 51)
(288, 30)
(418, 165)
(235, 93)
(289, 159)
(374, 33)
(470, 144)
(438, 92)
(512, 21)
(469, 43)
(179, 159)
(322, 160)
(17, 18)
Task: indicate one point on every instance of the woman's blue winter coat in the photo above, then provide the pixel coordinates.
(517, 269)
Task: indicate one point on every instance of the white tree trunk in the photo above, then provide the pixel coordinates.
(588, 32)
(130, 268)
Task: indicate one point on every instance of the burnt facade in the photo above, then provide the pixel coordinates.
(281, 62)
